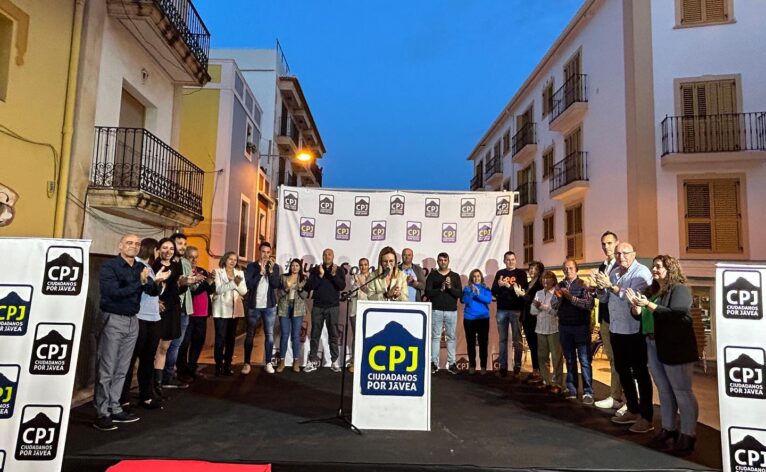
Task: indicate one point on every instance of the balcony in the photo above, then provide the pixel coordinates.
(172, 32)
(289, 136)
(714, 138)
(527, 193)
(524, 145)
(569, 178)
(570, 103)
(493, 174)
(316, 173)
(136, 175)
(477, 182)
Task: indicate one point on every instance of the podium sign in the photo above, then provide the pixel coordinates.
(392, 377)
(741, 347)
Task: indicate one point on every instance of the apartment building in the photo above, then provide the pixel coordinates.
(647, 119)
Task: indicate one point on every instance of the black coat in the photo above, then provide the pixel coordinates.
(674, 327)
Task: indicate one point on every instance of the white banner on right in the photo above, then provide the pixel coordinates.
(741, 346)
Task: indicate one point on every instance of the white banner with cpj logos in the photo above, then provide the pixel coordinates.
(741, 345)
(43, 287)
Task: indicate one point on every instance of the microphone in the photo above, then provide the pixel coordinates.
(386, 271)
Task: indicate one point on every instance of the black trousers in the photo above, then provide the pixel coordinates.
(225, 334)
(476, 329)
(195, 334)
(146, 348)
(529, 323)
(632, 365)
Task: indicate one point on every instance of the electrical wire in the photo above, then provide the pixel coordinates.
(9, 132)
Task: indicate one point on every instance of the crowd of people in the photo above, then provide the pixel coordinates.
(155, 301)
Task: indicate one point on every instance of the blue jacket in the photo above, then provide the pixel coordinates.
(253, 278)
(476, 306)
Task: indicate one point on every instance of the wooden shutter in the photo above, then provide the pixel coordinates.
(715, 11)
(528, 243)
(699, 230)
(548, 162)
(691, 11)
(573, 142)
(713, 219)
(703, 11)
(726, 231)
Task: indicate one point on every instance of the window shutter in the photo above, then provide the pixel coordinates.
(691, 11)
(726, 232)
(699, 234)
(715, 10)
(726, 95)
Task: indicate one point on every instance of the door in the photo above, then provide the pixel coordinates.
(710, 119)
(129, 142)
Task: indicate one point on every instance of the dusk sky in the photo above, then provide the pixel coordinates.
(401, 91)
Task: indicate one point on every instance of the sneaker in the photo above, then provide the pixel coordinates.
(174, 383)
(471, 370)
(150, 404)
(608, 403)
(125, 417)
(571, 396)
(335, 367)
(268, 368)
(104, 424)
(627, 418)
(623, 409)
(587, 399)
(452, 369)
(351, 368)
(310, 367)
(434, 368)
(245, 369)
(641, 426)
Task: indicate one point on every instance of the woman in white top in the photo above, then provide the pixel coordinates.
(228, 307)
(358, 284)
(393, 285)
(547, 329)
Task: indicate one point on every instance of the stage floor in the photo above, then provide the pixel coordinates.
(478, 422)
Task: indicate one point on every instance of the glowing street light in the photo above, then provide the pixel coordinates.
(304, 155)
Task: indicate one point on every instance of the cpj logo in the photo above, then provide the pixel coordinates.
(326, 204)
(9, 385)
(742, 294)
(744, 371)
(449, 232)
(393, 352)
(39, 433)
(52, 349)
(747, 449)
(291, 200)
(308, 226)
(484, 232)
(397, 205)
(378, 231)
(63, 271)
(432, 207)
(343, 230)
(362, 206)
(467, 207)
(502, 206)
(15, 309)
(414, 229)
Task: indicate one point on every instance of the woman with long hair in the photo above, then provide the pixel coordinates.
(392, 285)
(291, 310)
(547, 332)
(664, 309)
(476, 298)
(529, 322)
(228, 307)
(170, 307)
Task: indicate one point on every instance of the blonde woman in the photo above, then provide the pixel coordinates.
(393, 285)
(228, 307)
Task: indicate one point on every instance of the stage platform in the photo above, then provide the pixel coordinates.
(478, 423)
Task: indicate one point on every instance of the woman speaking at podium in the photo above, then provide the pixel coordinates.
(389, 282)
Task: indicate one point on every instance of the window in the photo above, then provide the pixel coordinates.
(250, 143)
(712, 216)
(573, 142)
(497, 150)
(244, 226)
(548, 156)
(526, 175)
(701, 12)
(574, 232)
(506, 142)
(548, 228)
(529, 254)
(709, 122)
(548, 98)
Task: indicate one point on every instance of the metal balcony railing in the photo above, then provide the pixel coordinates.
(728, 132)
(477, 182)
(289, 128)
(527, 193)
(574, 90)
(525, 135)
(572, 168)
(135, 159)
(189, 25)
(494, 166)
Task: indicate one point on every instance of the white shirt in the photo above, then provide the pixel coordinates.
(262, 292)
(547, 318)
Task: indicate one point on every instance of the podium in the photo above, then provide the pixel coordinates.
(392, 374)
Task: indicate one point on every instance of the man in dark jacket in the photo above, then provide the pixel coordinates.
(510, 305)
(262, 277)
(416, 279)
(326, 281)
(443, 289)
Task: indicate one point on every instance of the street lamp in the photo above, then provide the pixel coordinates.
(304, 155)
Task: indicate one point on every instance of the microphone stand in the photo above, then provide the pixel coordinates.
(340, 416)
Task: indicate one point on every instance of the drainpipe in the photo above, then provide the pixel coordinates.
(67, 130)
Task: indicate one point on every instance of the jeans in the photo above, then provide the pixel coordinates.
(616, 387)
(674, 384)
(290, 326)
(630, 359)
(225, 335)
(575, 342)
(324, 316)
(549, 355)
(449, 320)
(530, 323)
(116, 337)
(504, 318)
(172, 356)
(476, 330)
(269, 316)
(195, 334)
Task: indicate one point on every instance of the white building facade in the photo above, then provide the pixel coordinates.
(625, 125)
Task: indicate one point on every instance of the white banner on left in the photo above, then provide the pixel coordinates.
(43, 288)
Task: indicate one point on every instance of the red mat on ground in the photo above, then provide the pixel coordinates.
(184, 466)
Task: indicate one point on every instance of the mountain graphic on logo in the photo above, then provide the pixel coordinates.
(14, 299)
(343, 225)
(448, 228)
(485, 227)
(432, 202)
(749, 443)
(64, 260)
(397, 200)
(54, 337)
(39, 421)
(393, 334)
(326, 200)
(744, 361)
(362, 201)
(741, 284)
(307, 222)
(379, 226)
(5, 381)
(413, 226)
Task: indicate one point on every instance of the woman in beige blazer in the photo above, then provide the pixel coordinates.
(392, 286)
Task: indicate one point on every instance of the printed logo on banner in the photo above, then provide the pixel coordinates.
(15, 309)
(432, 207)
(495, 361)
(362, 206)
(414, 230)
(393, 356)
(326, 204)
(291, 200)
(484, 232)
(449, 232)
(2, 460)
(502, 206)
(39, 433)
(747, 449)
(343, 230)
(397, 205)
(308, 226)
(378, 231)
(742, 294)
(63, 271)
(745, 371)
(462, 363)
(467, 208)
(52, 349)
(9, 385)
